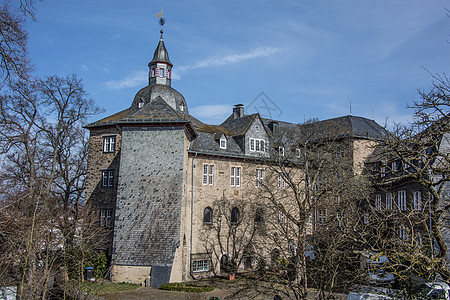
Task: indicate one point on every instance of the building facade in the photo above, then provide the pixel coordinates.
(154, 172)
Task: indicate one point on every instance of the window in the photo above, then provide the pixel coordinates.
(281, 182)
(417, 201)
(107, 178)
(340, 218)
(140, 104)
(207, 215)
(394, 166)
(281, 218)
(259, 177)
(235, 176)
(223, 143)
(181, 107)
(234, 215)
(106, 217)
(281, 151)
(366, 219)
(389, 201)
(257, 128)
(402, 200)
(321, 216)
(298, 153)
(382, 171)
(200, 266)
(378, 202)
(339, 153)
(258, 145)
(109, 144)
(208, 174)
(402, 232)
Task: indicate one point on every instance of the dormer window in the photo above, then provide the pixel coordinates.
(281, 151)
(140, 104)
(223, 143)
(182, 107)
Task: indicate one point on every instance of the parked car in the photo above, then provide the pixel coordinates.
(435, 290)
(367, 296)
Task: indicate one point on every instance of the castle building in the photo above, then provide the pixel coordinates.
(154, 171)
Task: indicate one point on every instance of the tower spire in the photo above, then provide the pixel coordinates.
(160, 66)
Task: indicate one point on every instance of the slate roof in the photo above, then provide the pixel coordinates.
(161, 54)
(157, 111)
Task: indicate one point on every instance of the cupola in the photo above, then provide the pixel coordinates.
(160, 67)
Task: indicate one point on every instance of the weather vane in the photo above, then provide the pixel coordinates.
(161, 20)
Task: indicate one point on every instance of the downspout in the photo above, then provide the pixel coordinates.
(192, 215)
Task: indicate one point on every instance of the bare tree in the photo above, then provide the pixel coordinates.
(44, 150)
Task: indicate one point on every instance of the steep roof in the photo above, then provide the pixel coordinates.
(161, 54)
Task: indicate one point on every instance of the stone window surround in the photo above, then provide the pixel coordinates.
(378, 202)
(417, 200)
(402, 200)
(208, 174)
(259, 178)
(200, 265)
(207, 215)
(235, 176)
(106, 215)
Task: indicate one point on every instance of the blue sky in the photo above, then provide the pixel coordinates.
(309, 59)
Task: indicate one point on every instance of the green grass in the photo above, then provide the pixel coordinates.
(106, 287)
(186, 287)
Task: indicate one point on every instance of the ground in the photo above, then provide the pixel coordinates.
(241, 288)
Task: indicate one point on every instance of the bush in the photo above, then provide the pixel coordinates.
(186, 287)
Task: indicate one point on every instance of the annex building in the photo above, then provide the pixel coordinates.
(154, 171)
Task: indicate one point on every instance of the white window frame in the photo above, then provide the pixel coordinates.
(417, 200)
(402, 200)
(389, 201)
(107, 178)
(378, 202)
(298, 153)
(281, 182)
(257, 145)
(366, 219)
(106, 217)
(321, 216)
(235, 175)
(281, 151)
(383, 171)
(223, 143)
(109, 144)
(200, 265)
(208, 174)
(259, 177)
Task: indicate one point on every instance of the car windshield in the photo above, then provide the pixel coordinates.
(429, 293)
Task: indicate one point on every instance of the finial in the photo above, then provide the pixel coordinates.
(161, 38)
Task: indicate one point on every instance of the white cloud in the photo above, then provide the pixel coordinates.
(212, 114)
(84, 68)
(138, 78)
(217, 61)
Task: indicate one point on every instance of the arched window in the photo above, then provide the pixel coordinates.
(207, 215)
(234, 215)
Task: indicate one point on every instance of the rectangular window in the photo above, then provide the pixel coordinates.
(252, 144)
(417, 200)
(394, 166)
(257, 145)
(109, 144)
(298, 153)
(321, 216)
(200, 266)
(208, 174)
(235, 176)
(402, 200)
(223, 144)
(106, 217)
(259, 177)
(378, 202)
(366, 219)
(108, 178)
(281, 151)
(382, 171)
(281, 182)
(403, 232)
(389, 201)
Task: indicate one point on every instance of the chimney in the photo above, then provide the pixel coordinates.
(238, 111)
